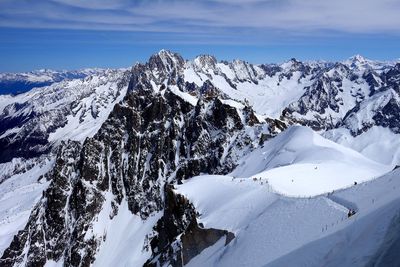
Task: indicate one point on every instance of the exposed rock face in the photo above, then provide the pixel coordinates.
(196, 239)
(205, 62)
(165, 65)
(45, 235)
(150, 139)
(392, 78)
(180, 219)
(166, 246)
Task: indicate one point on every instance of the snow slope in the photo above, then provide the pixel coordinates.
(268, 226)
(126, 236)
(378, 143)
(92, 110)
(269, 96)
(300, 162)
(272, 216)
(371, 240)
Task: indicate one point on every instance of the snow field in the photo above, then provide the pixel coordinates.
(300, 163)
(295, 190)
(366, 241)
(268, 226)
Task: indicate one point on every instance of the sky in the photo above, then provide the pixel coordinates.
(75, 34)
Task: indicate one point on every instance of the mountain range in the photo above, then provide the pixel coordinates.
(17, 83)
(202, 162)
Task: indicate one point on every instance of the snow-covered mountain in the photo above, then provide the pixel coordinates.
(73, 109)
(202, 163)
(16, 83)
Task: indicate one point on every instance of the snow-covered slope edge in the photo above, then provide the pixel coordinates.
(286, 194)
(269, 226)
(378, 143)
(300, 162)
(371, 239)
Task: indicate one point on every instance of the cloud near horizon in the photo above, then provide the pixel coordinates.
(224, 19)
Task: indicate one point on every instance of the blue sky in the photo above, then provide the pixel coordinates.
(73, 34)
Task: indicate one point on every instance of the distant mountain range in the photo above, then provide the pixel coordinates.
(17, 83)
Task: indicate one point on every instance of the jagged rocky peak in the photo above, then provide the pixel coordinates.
(166, 60)
(360, 63)
(340, 68)
(205, 62)
(246, 72)
(271, 69)
(164, 67)
(373, 79)
(358, 58)
(179, 119)
(239, 64)
(293, 65)
(381, 109)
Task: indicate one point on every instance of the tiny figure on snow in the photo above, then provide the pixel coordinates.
(355, 183)
(351, 213)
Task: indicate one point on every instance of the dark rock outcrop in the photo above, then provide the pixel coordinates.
(196, 239)
(180, 238)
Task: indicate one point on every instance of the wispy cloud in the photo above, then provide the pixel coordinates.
(219, 18)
